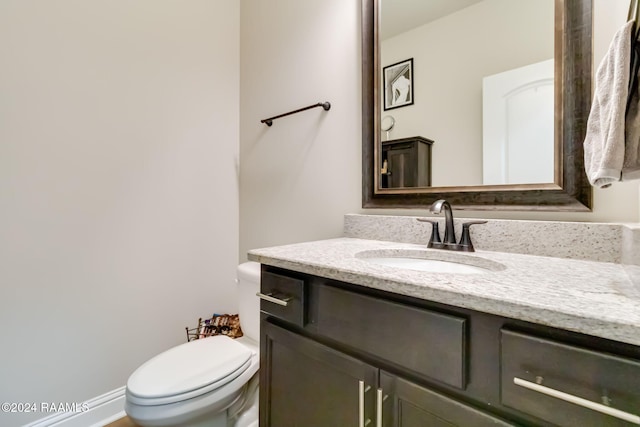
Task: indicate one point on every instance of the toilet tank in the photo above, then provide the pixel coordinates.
(248, 302)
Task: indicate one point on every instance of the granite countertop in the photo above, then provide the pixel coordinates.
(594, 298)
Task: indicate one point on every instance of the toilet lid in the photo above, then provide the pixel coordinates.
(188, 367)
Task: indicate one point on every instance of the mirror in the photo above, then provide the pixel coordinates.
(467, 175)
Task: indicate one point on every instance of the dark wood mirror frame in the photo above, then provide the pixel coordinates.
(573, 76)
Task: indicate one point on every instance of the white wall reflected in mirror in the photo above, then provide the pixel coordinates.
(452, 54)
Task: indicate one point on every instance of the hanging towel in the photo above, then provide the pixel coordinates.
(604, 144)
(631, 164)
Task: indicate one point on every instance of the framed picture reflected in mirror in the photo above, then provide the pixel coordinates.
(398, 84)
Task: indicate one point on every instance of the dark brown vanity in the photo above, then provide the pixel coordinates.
(339, 354)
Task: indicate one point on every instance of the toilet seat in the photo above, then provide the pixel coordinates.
(188, 370)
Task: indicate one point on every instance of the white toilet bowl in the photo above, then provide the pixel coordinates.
(207, 382)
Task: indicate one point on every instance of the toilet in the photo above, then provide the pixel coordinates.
(209, 382)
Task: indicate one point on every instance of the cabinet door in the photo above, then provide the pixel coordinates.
(304, 383)
(406, 404)
(402, 164)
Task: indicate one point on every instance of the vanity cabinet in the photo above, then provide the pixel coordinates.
(337, 354)
(408, 162)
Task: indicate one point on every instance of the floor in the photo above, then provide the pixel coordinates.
(122, 422)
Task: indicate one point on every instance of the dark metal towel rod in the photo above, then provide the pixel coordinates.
(269, 121)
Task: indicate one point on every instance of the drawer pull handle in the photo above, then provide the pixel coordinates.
(635, 419)
(271, 298)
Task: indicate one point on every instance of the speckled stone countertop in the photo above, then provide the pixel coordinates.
(590, 297)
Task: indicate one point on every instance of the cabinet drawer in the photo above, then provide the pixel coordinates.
(428, 343)
(283, 297)
(568, 385)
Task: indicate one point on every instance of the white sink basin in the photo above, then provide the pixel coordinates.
(431, 265)
(430, 261)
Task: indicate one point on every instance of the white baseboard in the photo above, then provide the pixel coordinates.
(100, 411)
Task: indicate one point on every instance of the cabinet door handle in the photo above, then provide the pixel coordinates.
(634, 419)
(361, 391)
(360, 403)
(379, 400)
(271, 298)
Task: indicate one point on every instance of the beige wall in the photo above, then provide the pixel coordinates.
(118, 187)
(300, 176)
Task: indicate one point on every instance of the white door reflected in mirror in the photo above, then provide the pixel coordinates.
(517, 125)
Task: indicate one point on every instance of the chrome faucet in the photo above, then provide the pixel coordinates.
(449, 231)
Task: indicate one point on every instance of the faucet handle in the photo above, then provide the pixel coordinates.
(434, 240)
(465, 244)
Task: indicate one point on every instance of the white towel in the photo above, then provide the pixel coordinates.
(631, 164)
(604, 144)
